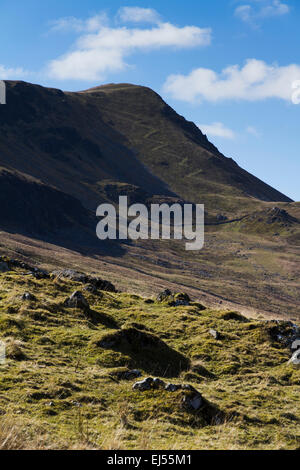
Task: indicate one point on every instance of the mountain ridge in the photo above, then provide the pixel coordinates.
(74, 140)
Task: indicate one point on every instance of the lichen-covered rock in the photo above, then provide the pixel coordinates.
(143, 385)
(77, 300)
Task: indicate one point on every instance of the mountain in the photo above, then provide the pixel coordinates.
(110, 140)
(64, 153)
(176, 151)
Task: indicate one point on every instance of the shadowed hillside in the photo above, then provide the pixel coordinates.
(88, 144)
(62, 154)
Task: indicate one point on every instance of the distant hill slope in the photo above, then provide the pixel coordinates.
(111, 140)
(176, 150)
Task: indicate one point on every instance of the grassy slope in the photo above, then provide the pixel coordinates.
(60, 389)
(255, 274)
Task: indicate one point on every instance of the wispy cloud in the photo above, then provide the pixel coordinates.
(253, 131)
(138, 15)
(103, 49)
(260, 9)
(7, 73)
(217, 129)
(254, 81)
(70, 23)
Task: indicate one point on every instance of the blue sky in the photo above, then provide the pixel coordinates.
(227, 65)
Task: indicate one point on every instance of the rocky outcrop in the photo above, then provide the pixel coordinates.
(174, 299)
(191, 399)
(76, 276)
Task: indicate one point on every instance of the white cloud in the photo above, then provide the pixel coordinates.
(7, 73)
(70, 23)
(261, 9)
(103, 51)
(255, 81)
(138, 15)
(217, 129)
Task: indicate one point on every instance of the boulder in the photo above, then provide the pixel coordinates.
(143, 385)
(181, 299)
(158, 383)
(192, 401)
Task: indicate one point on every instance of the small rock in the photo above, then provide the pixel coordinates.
(91, 288)
(158, 383)
(196, 402)
(181, 299)
(29, 297)
(143, 384)
(131, 374)
(77, 300)
(39, 273)
(214, 333)
(295, 359)
(76, 403)
(164, 295)
(172, 387)
(4, 267)
(192, 402)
